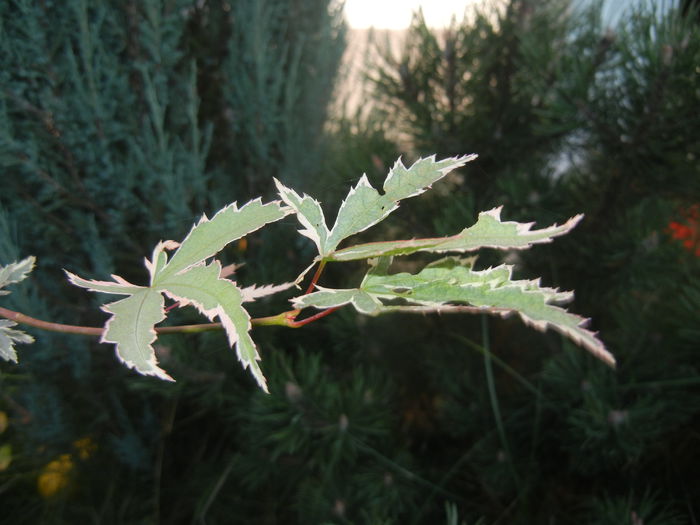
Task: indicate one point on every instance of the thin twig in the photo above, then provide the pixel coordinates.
(51, 327)
(287, 319)
(21, 318)
(283, 319)
(315, 278)
(323, 313)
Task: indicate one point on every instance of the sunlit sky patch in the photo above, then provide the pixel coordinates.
(396, 14)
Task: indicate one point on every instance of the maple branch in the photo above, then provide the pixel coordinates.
(284, 319)
(20, 318)
(287, 319)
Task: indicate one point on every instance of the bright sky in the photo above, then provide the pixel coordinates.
(396, 14)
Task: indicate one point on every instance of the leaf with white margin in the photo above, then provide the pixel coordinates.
(15, 272)
(254, 292)
(158, 259)
(364, 206)
(402, 183)
(131, 329)
(451, 282)
(309, 213)
(488, 232)
(9, 337)
(208, 237)
(214, 297)
(118, 287)
(324, 298)
(132, 322)
(10, 274)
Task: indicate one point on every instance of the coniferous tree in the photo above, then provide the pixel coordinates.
(120, 124)
(568, 114)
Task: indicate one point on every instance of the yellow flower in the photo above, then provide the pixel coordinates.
(55, 476)
(85, 447)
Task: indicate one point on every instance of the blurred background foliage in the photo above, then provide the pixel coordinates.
(121, 122)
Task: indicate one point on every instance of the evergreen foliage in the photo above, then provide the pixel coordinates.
(570, 114)
(120, 121)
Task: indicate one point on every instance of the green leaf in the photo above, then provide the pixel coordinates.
(213, 296)
(309, 213)
(452, 284)
(208, 237)
(132, 321)
(131, 328)
(187, 279)
(159, 258)
(488, 232)
(364, 206)
(11, 274)
(15, 272)
(324, 298)
(254, 292)
(8, 338)
(118, 287)
(402, 183)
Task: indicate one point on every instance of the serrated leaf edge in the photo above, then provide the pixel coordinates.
(255, 292)
(13, 337)
(204, 219)
(227, 322)
(441, 244)
(310, 230)
(457, 162)
(155, 370)
(23, 267)
(120, 286)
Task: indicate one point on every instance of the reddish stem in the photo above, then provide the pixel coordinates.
(315, 278)
(298, 324)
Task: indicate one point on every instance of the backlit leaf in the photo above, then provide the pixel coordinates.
(364, 206)
(215, 297)
(309, 213)
(131, 329)
(488, 232)
(452, 282)
(254, 292)
(208, 237)
(187, 279)
(118, 287)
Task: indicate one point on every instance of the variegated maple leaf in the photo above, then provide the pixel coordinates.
(451, 284)
(187, 278)
(364, 206)
(9, 336)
